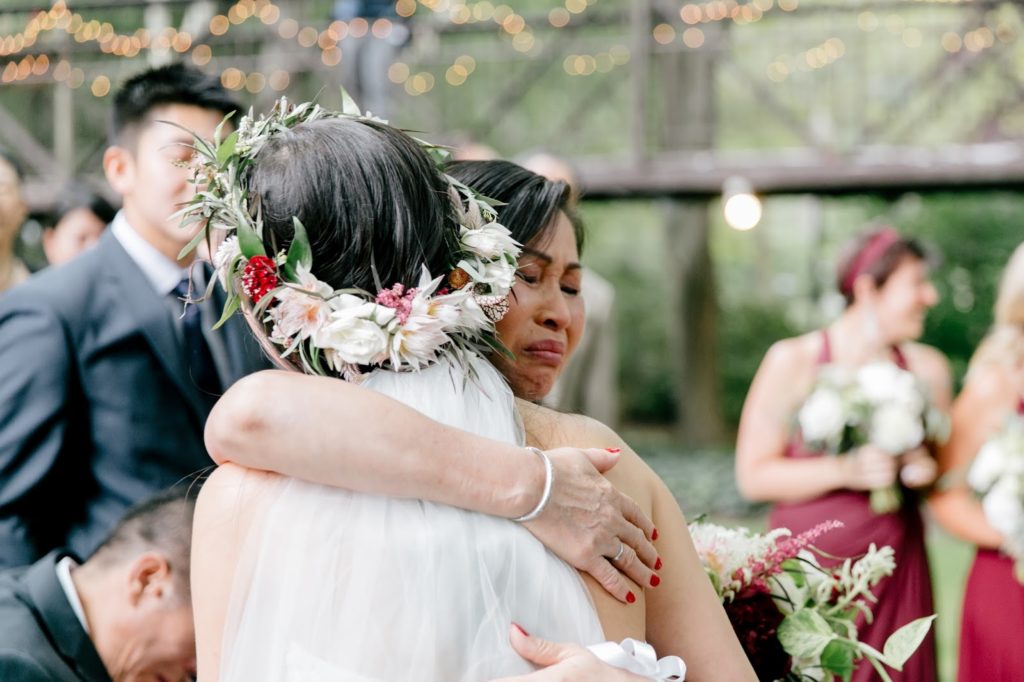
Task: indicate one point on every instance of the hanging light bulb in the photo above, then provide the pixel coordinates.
(740, 205)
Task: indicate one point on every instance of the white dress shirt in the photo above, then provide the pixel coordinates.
(163, 273)
(64, 567)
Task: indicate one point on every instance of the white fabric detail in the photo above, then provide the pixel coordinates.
(340, 586)
(640, 658)
(163, 273)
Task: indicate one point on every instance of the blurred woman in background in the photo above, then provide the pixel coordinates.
(884, 278)
(993, 611)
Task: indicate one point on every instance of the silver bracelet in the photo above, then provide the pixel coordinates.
(545, 497)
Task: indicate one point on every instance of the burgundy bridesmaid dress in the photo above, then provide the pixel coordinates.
(904, 596)
(992, 629)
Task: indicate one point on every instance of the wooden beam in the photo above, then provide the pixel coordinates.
(871, 170)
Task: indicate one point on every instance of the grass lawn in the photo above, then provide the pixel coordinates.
(950, 561)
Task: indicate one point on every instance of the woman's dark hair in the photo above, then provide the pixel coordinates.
(371, 199)
(878, 252)
(75, 196)
(172, 84)
(532, 202)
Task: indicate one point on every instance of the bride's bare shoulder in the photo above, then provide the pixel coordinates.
(549, 428)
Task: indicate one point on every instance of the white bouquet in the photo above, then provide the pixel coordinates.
(997, 475)
(879, 404)
(796, 619)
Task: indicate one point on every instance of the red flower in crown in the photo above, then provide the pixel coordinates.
(259, 277)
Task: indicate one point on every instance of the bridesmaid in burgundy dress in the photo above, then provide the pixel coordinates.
(884, 278)
(992, 629)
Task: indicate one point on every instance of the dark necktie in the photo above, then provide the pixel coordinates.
(202, 372)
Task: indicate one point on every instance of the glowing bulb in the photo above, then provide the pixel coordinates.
(741, 207)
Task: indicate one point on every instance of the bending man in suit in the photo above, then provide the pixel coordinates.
(105, 384)
(125, 614)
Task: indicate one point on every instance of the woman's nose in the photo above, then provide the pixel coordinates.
(554, 311)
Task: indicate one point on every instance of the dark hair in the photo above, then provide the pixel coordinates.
(75, 196)
(370, 198)
(162, 523)
(881, 266)
(171, 84)
(532, 202)
(9, 159)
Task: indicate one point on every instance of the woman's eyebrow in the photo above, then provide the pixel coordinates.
(527, 251)
(548, 260)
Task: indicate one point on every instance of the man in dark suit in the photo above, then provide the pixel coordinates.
(125, 614)
(105, 384)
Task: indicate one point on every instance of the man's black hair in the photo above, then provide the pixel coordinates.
(172, 84)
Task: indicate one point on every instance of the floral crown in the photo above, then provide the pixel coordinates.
(343, 332)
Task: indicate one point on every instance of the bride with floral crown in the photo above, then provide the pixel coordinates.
(353, 256)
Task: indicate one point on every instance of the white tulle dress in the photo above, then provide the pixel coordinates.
(347, 587)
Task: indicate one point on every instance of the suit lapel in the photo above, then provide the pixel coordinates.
(60, 621)
(150, 313)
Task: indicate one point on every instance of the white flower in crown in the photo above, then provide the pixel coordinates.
(896, 429)
(490, 241)
(302, 309)
(499, 274)
(354, 333)
(225, 255)
(417, 340)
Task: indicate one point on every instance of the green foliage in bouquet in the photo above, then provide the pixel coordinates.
(797, 619)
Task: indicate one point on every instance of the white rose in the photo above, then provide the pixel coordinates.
(821, 418)
(354, 340)
(988, 465)
(896, 429)
(1003, 506)
(489, 242)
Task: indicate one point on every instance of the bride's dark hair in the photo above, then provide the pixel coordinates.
(368, 195)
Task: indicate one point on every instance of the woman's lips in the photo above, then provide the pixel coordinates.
(546, 352)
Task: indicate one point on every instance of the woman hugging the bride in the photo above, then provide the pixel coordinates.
(396, 533)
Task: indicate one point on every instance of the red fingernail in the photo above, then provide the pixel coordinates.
(630, 598)
(655, 581)
(614, 450)
(519, 627)
(654, 534)
(657, 564)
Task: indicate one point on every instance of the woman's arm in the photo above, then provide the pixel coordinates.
(762, 471)
(331, 432)
(684, 615)
(983, 404)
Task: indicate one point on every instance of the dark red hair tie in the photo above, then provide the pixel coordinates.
(875, 248)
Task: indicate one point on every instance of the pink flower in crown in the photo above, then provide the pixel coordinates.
(301, 309)
(399, 299)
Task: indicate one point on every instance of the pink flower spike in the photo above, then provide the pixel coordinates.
(399, 299)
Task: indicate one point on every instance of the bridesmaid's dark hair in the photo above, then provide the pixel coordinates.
(854, 259)
(532, 202)
(370, 198)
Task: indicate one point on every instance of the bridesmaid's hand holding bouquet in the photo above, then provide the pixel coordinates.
(879, 406)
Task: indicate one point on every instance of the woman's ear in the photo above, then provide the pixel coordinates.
(864, 289)
(119, 167)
